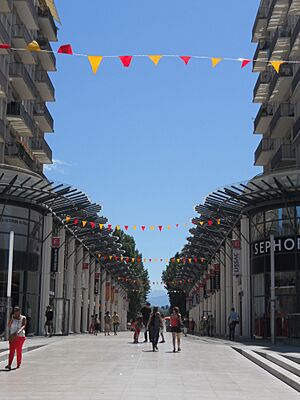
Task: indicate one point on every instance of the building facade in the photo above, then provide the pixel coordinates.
(54, 262)
(237, 270)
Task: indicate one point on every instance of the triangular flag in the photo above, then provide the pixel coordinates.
(155, 58)
(4, 46)
(126, 227)
(118, 227)
(150, 259)
(92, 225)
(160, 227)
(177, 225)
(219, 221)
(65, 49)
(68, 219)
(109, 227)
(132, 259)
(143, 228)
(215, 61)
(245, 62)
(125, 60)
(201, 223)
(101, 226)
(145, 260)
(185, 59)
(151, 228)
(169, 227)
(178, 260)
(110, 257)
(190, 260)
(209, 222)
(161, 260)
(84, 223)
(134, 227)
(276, 65)
(33, 46)
(95, 62)
(76, 221)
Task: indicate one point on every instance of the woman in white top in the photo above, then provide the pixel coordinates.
(16, 326)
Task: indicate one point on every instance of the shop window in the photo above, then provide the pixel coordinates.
(258, 285)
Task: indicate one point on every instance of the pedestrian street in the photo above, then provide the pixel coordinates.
(113, 368)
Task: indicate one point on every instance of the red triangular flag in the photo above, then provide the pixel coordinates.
(185, 59)
(177, 225)
(150, 259)
(245, 62)
(65, 49)
(139, 260)
(143, 228)
(209, 222)
(127, 259)
(4, 46)
(76, 221)
(92, 224)
(160, 227)
(125, 60)
(195, 259)
(109, 227)
(126, 227)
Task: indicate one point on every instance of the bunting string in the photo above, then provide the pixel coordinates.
(138, 260)
(93, 225)
(96, 60)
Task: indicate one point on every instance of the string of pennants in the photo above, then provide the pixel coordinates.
(93, 225)
(96, 60)
(129, 260)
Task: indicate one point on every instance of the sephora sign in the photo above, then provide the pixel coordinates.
(281, 245)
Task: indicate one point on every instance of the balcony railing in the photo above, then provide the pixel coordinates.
(45, 45)
(3, 84)
(264, 78)
(27, 13)
(264, 111)
(296, 80)
(42, 76)
(264, 145)
(18, 70)
(280, 33)
(4, 28)
(284, 110)
(44, 12)
(277, 13)
(18, 150)
(296, 130)
(295, 33)
(262, 47)
(285, 71)
(16, 111)
(260, 24)
(40, 146)
(40, 110)
(285, 156)
(20, 31)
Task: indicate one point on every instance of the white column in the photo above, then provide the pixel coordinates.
(103, 296)
(222, 291)
(97, 296)
(45, 271)
(59, 282)
(78, 289)
(228, 261)
(246, 276)
(92, 289)
(85, 293)
(112, 295)
(108, 294)
(70, 280)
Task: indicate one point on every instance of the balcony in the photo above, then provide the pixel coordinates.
(296, 132)
(277, 13)
(27, 13)
(285, 157)
(261, 56)
(41, 150)
(3, 85)
(19, 119)
(17, 155)
(281, 83)
(43, 118)
(261, 89)
(260, 25)
(282, 120)
(5, 6)
(20, 38)
(47, 58)
(294, 7)
(47, 24)
(21, 81)
(264, 152)
(296, 86)
(2, 131)
(295, 40)
(44, 85)
(4, 29)
(263, 119)
(280, 43)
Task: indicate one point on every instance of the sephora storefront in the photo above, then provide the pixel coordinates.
(27, 224)
(284, 223)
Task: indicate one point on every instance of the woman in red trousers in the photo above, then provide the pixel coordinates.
(16, 326)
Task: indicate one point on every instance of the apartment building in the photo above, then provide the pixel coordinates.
(237, 252)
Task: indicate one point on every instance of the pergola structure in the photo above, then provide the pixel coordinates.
(228, 204)
(21, 186)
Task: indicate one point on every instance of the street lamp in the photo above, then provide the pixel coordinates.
(272, 288)
(9, 279)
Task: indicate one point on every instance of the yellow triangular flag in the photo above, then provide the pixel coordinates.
(145, 260)
(219, 221)
(276, 65)
(33, 46)
(132, 259)
(84, 223)
(169, 227)
(155, 58)
(68, 218)
(134, 227)
(122, 258)
(151, 228)
(101, 226)
(190, 260)
(110, 257)
(118, 227)
(95, 62)
(215, 61)
(178, 260)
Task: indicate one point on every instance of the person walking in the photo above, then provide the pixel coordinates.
(92, 325)
(107, 323)
(116, 323)
(146, 311)
(186, 324)
(233, 320)
(49, 321)
(137, 326)
(97, 325)
(176, 323)
(163, 329)
(193, 326)
(16, 326)
(154, 324)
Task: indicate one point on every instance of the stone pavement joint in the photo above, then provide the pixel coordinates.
(112, 368)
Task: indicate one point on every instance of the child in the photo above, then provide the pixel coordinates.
(137, 326)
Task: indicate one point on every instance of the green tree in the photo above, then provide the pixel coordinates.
(136, 298)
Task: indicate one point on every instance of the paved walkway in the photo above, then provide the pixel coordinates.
(112, 368)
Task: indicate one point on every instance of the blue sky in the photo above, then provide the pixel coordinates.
(146, 142)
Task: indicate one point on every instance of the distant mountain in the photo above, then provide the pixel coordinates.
(158, 298)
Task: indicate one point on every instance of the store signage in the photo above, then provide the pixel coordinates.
(217, 276)
(281, 245)
(97, 275)
(236, 257)
(54, 259)
(85, 265)
(55, 243)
